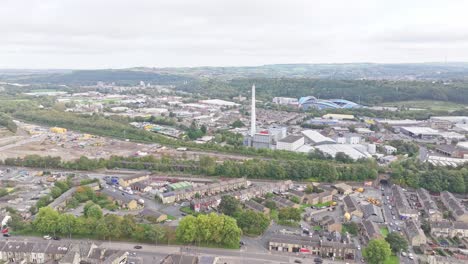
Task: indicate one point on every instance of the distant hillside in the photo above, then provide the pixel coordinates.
(368, 92)
(421, 71)
(351, 71)
(89, 77)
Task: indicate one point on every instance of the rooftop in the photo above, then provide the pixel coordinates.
(290, 139)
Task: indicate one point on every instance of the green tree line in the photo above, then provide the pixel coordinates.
(317, 170)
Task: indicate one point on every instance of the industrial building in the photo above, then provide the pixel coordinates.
(315, 138)
(290, 143)
(355, 152)
(419, 132)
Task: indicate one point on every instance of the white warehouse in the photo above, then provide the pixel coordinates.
(290, 143)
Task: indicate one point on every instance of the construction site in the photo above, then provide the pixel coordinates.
(56, 141)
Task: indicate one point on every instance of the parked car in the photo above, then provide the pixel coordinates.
(47, 237)
(6, 235)
(137, 247)
(403, 254)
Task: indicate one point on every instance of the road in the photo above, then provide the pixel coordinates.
(394, 225)
(155, 253)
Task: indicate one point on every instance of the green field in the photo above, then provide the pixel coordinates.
(384, 231)
(392, 260)
(427, 104)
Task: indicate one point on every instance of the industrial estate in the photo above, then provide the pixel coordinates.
(122, 143)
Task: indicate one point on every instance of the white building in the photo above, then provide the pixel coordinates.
(290, 143)
(315, 138)
(285, 101)
(353, 151)
(389, 150)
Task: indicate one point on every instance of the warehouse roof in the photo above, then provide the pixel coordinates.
(316, 137)
(290, 139)
(421, 130)
(350, 150)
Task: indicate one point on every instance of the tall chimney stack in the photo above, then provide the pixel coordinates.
(253, 117)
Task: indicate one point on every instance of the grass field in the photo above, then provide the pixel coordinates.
(428, 104)
(392, 260)
(384, 231)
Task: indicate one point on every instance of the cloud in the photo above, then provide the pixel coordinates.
(127, 33)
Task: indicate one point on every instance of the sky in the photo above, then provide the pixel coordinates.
(91, 34)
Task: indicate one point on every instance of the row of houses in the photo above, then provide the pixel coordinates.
(403, 207)
(449, 229)
(429, 206)
(59, 252)
(458, 211)
(256, 190)
(203, 190)
(312, 246)
(313, 198)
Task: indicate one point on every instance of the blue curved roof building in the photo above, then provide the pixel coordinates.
(320, 104)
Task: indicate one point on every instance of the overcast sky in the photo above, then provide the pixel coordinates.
(165, 33)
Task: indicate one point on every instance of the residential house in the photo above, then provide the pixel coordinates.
(253, 205)
(370, 230)
(414, 233)
(141, 187)
(405, 211)
(129, 180)
(123, 199)
(351, 207)
(204, 204)
(318, 198)
(373, 213)
(153, 215)
(331, 224)
(454, 206)
(430, 207)
(180, 259)
(312, 246)
(449, 229)
(282, 202)
(343, 188)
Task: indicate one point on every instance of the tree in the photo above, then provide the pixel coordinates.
(229, 205)
(187, 231)
(289, 214)
(102, 231)
(352, 228)
(47, 220)
(55, 192)
(309, 189)
(295, 199)
(253, 223)
(92, 210)
(270, 204)
(67, 224)
(377, 251)
(237, 124)
(397, 242)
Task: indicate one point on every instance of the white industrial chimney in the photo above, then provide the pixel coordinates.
(253, 117)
